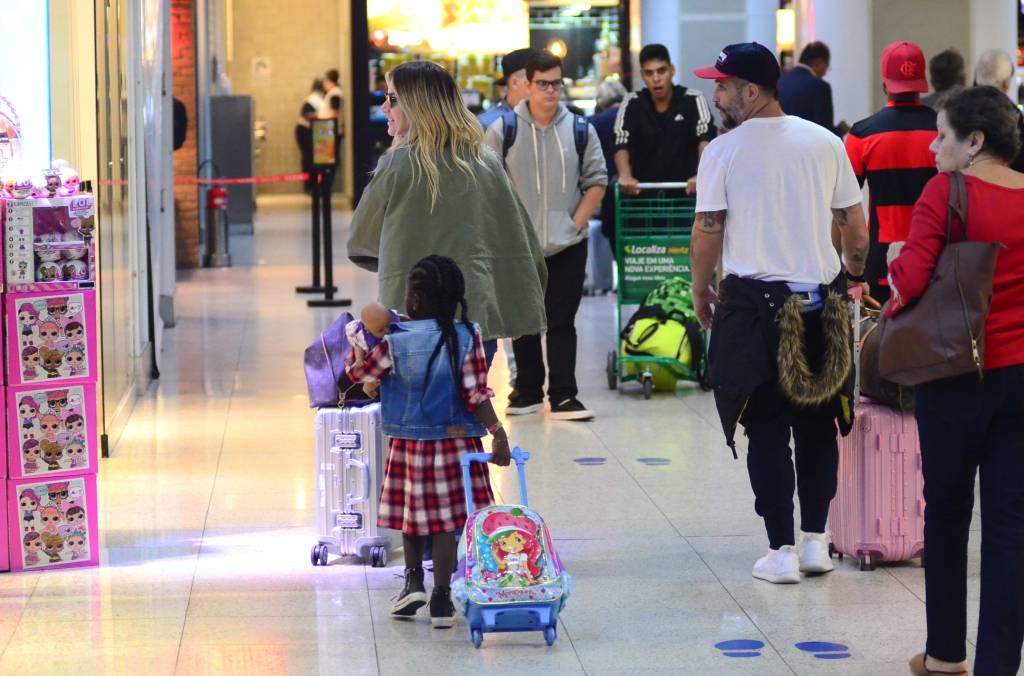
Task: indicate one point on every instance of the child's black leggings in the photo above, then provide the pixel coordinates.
(443, 545)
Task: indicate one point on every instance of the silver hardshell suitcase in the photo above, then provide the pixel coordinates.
(350, 457)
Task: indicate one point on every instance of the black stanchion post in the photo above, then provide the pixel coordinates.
(317, 193)
(327, 178)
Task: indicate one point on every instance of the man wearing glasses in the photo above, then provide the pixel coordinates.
(661, 130)
(561, 189)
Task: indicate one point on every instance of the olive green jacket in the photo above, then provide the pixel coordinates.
(479, 222)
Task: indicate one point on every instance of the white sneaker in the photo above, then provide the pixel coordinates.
(813, 553)
(779, 566)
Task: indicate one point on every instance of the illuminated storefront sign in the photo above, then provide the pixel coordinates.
(25, 85)
(465, 26)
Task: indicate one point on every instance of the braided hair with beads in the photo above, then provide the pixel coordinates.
(439, 285)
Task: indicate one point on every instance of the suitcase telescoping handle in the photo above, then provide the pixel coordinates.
(519, 456)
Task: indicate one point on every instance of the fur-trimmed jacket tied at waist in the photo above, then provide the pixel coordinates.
(757, 338)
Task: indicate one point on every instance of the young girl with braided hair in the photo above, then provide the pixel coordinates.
(435, 406)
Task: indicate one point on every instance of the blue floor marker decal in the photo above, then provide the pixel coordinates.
(740, 648)
(589, 461)
(823, 650)
(654, 462)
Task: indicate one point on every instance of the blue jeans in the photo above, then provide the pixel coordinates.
(967, 426)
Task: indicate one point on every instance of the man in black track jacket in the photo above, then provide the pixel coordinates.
(661, 130)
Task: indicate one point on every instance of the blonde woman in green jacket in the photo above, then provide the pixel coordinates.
(440, 190)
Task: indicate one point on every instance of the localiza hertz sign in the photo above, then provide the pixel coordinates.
(655, 262)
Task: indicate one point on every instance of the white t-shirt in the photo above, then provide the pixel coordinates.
(779, 179)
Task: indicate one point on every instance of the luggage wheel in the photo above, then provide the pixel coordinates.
(477, 636)
(550, 634)
(379, 557)
(832, 551)
(648, 384)
(866, 563)
(318, 555)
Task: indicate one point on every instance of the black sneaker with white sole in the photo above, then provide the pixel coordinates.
(570, 409)
(518, 404)
(413, 595)
(442, 610)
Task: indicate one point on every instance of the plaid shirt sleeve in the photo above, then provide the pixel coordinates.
(376, 365)
(474, 376)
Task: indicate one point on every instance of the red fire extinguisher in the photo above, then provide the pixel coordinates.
(217, 198)
(217, 255)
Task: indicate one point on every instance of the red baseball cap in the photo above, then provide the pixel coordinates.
(903, 68)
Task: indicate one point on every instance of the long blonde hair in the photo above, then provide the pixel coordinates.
(440, 125)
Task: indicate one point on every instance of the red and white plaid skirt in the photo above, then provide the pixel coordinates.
(422, 492)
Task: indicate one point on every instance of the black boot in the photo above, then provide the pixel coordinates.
(442, 610)
(413, 596)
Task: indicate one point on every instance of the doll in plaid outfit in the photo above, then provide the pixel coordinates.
(435, 406)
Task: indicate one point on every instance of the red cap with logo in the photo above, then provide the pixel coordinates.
(903, 68)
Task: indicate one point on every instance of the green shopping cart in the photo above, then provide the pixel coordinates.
(652, 244)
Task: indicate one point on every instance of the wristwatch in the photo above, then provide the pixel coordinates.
(860, 279)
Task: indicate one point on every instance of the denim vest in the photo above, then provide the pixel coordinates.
(425, 406)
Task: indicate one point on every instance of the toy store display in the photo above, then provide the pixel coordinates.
(51, 431)
(48, 237)
(52, 523)
(51, 368)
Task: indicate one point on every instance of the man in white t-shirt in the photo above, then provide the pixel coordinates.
(778, 202)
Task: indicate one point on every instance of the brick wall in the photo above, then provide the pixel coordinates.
(183, 77)
(302, 39)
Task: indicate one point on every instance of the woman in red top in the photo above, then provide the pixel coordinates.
(966, 424)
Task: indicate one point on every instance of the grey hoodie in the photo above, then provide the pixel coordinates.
(545, 170)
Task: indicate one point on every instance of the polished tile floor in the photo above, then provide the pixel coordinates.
(207, 506)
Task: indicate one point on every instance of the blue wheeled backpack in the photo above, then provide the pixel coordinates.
(509, 577)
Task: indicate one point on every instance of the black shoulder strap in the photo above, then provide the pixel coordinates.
(510, 124)
(957, 205)
(580, 133)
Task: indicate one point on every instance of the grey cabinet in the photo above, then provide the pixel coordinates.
(231, 134)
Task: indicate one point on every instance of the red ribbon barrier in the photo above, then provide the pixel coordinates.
(189, 180)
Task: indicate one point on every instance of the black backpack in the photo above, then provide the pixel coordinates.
(580, 134)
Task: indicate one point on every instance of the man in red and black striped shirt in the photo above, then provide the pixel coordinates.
(890, 151)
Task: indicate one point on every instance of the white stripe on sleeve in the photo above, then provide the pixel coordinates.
(621, 133)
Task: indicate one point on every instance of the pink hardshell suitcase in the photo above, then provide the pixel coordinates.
(51, 337)
(878, 511)
(52, 523)
(51, 430)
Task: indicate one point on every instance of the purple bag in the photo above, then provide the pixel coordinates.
(324, 363)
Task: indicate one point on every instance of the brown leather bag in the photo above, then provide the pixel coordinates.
(943, 334)
(872, 384)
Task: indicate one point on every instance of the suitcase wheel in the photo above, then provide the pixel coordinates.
(318, 555)
(477, 637)
(866, 563)
(379, 557)
(550, 634)
(648, 382)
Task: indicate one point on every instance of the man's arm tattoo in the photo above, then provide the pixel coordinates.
(842, 216)
(859, 257)
(711, 222)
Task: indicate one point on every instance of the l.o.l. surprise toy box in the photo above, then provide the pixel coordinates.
(5, 554)
(51, 337)
(51, 431)
(52, 523)
(49, 244)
